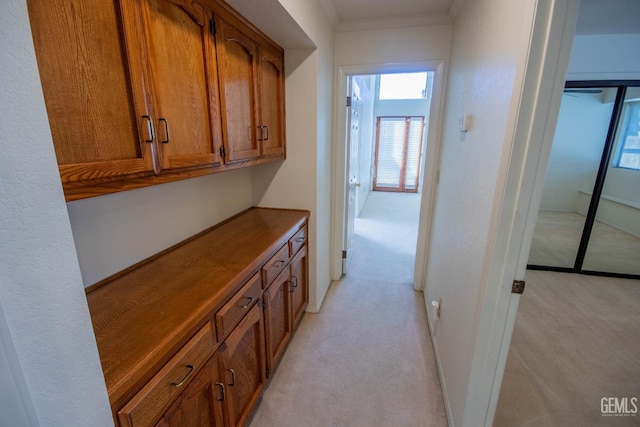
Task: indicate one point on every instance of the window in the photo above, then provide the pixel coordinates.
(403, 86)
(397, 155)
(628, 152)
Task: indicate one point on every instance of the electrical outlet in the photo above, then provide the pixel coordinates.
(437, 307)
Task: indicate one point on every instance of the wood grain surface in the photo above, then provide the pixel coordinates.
(141, 318)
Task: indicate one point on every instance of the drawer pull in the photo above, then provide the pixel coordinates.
(179, 384)
(279, 263)
(248, 303)
(300, 239)
(233, 377)
(220, 399)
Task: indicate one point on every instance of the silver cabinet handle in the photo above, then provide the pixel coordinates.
(300, 239)
(220, 399)
(261, 133)
(166, 128)
(233, 377)
(179, 384)
(265, 138)
(248, 303)
(279, 263)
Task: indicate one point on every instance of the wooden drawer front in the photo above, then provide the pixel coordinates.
(297, 241)
(275, 265)
(229, 315)
(172, 379)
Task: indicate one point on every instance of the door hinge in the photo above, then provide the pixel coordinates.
(267, 371)
(517, 287)
(348, 101)
(344, 254)
(264, 305)
(212, 27)
(223, 153)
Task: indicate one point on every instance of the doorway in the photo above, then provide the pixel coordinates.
(386, 120)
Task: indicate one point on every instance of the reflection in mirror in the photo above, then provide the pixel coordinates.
(614, 246)
(581, 133)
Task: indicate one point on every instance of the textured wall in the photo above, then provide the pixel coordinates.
(487, 36)
(41, 292)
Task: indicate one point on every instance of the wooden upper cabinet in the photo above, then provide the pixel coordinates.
(142, 92)
(177, 57)
(237, 62)
(272, 102)
(96, 129)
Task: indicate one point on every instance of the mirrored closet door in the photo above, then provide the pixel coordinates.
(589, 218)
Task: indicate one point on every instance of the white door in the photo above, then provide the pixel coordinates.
(354, 112)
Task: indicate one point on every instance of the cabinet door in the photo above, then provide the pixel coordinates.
(237, 64)
(277, 317)
(271, 123)
(300, 280)
(181, 64)
(199, 405)
(243, 366)
(97, 125)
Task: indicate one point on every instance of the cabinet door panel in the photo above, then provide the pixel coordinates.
(179, 49)
(271, 102)
(96, 132)
(197, 405)
(277, 318)
(243, 367)
(237, 64)
(300, 279)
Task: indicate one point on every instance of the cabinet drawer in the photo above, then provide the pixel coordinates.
(275, 265)
(234, 310)
(149, 403)
(297, 241)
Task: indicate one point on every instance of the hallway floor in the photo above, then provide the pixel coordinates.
(366, 358)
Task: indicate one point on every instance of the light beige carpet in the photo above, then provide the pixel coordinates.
(366, 358)
(576, 340)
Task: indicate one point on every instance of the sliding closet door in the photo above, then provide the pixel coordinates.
(614, 244)
(581, 133)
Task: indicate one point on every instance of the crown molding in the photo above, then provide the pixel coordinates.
(330, 11)
(391, 23)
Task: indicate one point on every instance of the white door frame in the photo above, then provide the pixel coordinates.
(428, 180)
(544, 64)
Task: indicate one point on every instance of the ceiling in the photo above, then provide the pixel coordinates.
(595, 16)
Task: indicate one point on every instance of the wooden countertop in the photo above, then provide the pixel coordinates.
(143, 315)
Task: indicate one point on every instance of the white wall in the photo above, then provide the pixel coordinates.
(115, 231)
(581, 131)
(489, 37)
(304, 179)
(604, 57)
(46, 335)
(393, 46)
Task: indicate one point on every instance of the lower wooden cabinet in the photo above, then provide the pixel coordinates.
(199, 405)
(243, 367)
(186, 337)
(300, 285)
(277, 313)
